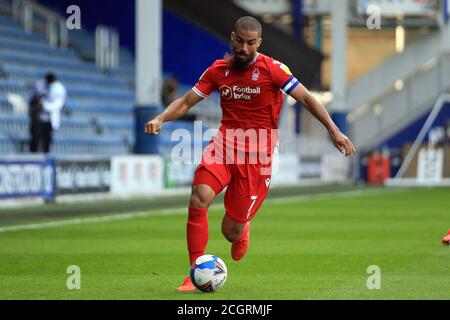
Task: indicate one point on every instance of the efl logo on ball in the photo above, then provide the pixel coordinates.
(208, 273)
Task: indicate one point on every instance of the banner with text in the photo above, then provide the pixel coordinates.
(22, 178)
(76, 176)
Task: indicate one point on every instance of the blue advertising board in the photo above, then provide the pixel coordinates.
(23, 178)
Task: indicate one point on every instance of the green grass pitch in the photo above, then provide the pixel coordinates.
(308, 248)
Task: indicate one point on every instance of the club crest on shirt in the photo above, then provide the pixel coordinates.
(227, 72)
(255, 74)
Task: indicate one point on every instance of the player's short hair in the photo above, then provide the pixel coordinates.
(248, 23)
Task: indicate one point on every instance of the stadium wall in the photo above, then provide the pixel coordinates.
(409, 133)
(404, 137)
(187, 49)
(121, 16)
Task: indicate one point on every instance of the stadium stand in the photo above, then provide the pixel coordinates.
(99, 115)
(99, 112)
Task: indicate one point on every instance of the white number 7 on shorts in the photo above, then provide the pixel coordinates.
(251, 206)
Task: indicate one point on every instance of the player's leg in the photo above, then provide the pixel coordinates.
(197, 225)
(446, 239)
(238, 234)
(46, 136)
(205, 187)
(34, 135)
(245, 195)
(232, 230)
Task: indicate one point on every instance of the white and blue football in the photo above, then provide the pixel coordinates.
(208, 273)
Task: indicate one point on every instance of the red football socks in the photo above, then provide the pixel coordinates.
(197, 232)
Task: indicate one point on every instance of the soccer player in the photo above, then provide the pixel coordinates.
(251, 87)
(446, 239)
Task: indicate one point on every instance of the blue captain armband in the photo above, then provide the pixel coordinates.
(290, 85)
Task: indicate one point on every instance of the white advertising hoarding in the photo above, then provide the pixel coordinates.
(292, 169)
(430, 166)
(285, 169)
(137, 175)
(334, 168)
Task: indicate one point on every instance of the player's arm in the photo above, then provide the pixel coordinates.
(174, 111)
(340, 140)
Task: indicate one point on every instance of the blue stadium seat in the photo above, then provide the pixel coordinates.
(100, 105)
(18, 33)
(89, 145)
(34, 72)
(25, 44)
(7, 145)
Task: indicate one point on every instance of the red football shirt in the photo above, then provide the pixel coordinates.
(251, 98)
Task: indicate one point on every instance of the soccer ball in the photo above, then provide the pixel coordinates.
(208, 273)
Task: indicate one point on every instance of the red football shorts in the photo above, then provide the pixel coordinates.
(247, 184)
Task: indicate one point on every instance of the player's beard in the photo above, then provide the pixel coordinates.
(237, 63)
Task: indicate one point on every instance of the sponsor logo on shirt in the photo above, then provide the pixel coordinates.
(238, 93)
(225, 92)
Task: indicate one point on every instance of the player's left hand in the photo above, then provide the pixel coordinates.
(343, 144)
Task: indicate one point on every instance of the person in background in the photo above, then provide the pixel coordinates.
(169, 91)
(169, 94)
(47, 101)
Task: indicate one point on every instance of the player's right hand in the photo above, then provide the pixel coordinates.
(153, 127)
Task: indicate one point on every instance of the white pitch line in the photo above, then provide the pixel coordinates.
(175, 211)
(52, 224)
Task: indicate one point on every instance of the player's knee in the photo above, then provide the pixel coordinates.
(200, 198)
(231, 234)
(198, 202)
